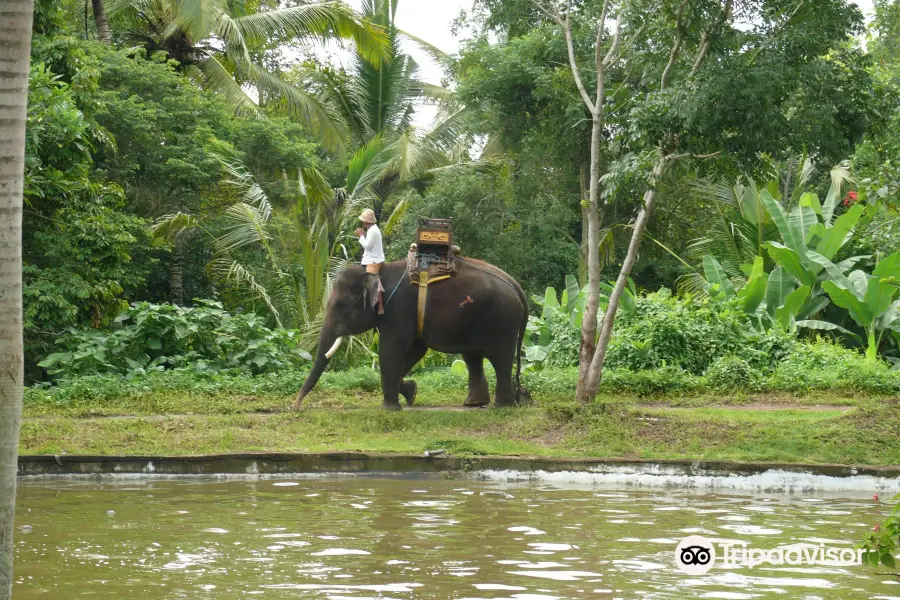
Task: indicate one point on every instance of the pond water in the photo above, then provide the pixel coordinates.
(343, 538)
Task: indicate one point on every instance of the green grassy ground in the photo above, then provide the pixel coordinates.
(821, 428)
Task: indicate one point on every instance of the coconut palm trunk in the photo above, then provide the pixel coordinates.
(100, 20)
(15, 46)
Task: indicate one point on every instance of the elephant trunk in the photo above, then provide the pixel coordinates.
(328, 346)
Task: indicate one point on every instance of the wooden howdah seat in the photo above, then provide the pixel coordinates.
(432, 258)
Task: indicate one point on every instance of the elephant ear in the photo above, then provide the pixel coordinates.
(370, 294)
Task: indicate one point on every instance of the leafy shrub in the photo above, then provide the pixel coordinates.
(826, 365)
(162, 336)
(553, 338)
(689, 334)
(734, 373)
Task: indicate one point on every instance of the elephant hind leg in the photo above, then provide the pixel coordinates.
(504, 395)
(479, 395)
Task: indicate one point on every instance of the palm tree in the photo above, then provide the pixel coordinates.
(377, 100)
(15, 45)
(218, 40)
(297, 247)
(100, 20)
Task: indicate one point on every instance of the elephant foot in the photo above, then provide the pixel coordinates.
(476, 402)
(394, 406)
(509, 402)
(479, 395)
(409, 389)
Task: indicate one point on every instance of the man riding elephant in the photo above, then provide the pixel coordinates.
(479, 312)
(373, 252)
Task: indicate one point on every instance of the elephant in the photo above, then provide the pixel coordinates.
(481, 312)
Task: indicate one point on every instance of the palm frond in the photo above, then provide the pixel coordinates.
(321, 118)
(170, 226)
(231, 271)
(216, 78)
(840, 176)
(318, 20)
(395, 217)
(371, 164)
(240, 177)
(429, 92)
(692, 283)
(229, 30)
(436, 54)
(194, 19)
(249, 227)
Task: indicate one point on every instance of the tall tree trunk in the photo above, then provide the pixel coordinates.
(582, 204)
(176, 271)
(592, 307)
(15, 46)
(591, 379)
(100, 20)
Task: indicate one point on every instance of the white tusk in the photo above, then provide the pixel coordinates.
(335, 347)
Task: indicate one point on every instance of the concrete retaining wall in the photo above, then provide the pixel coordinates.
(639, 473)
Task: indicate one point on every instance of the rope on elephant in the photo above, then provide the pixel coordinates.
(396, 287)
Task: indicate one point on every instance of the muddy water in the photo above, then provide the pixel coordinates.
(352, 538)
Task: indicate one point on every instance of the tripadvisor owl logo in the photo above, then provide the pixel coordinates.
(695, 555)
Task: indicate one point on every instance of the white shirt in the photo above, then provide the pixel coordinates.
(373, 253)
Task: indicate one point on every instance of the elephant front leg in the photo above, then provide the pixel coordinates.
(479, 395)
(395, 364)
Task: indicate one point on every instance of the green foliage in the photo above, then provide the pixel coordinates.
(665, 331)
(527, 236)
(732, 373)
(83, 254)
(825, 365)
(882, 542)
(553, 338)
(153, 337)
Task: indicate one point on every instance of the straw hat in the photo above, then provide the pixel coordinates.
(368, 216)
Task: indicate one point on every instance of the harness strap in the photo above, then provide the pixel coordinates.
(423, 297)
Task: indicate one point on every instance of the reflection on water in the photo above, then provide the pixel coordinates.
(352, 538)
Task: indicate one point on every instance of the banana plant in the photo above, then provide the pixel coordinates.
(570, 305)
(769, 298)
(790, 244)
(871, 301)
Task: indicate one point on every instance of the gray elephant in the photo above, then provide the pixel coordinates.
(481, 312)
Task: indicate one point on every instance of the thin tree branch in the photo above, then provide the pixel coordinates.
(676, 47)
(613, 54)
(573, 63)
(598, 43)
(688, 154)
(706, 42)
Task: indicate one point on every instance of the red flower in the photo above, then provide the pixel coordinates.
(850, 198)
(875, 497)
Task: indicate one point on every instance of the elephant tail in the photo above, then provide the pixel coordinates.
(524, 299)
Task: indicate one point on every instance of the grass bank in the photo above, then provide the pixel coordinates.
(176, 414)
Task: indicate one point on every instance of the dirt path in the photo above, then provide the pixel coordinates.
(753, 406)
(634, 407)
